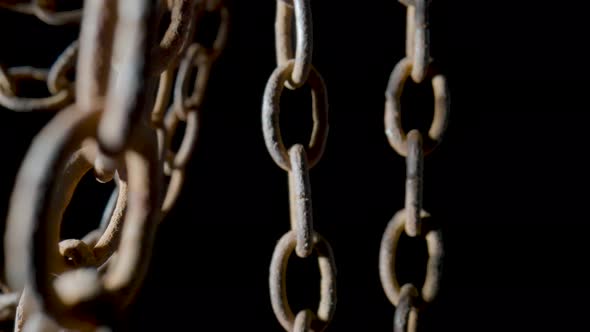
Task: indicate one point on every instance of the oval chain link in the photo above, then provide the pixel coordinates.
(296, 160)
(413, 146)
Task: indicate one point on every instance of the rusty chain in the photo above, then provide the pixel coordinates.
(112, 120)
(118, 118)
(413, 220)
(293, 72)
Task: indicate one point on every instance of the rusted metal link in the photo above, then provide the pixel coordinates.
(183, 15)
(179, 159)
(9, 100)
(270, 116)
(56, 79)
(388, 253)
(172, 191)
(301, 10)
(300, 200)
(393, 124)
(417, 37)
(55, 18)
(222, 31)
(163, 97)
(96, 39)
(278, 275)
(130, 103)
(195, 58)
(405, 318)
(303, 321)
(414, 170)
(33, 233)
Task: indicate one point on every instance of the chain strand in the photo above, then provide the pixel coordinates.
(294, 72)
(413, 220)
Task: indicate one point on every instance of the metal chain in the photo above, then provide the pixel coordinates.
(294, 72)
(413, 220)
(104, 125)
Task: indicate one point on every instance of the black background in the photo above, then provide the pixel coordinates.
(507, 184)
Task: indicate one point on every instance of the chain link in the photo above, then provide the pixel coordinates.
(119, 118)
(413, 220)
(294, 72)
(103, 125)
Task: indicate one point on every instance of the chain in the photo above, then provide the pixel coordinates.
(119, 117)
(115, 118)
(294, 72)
(413, 219)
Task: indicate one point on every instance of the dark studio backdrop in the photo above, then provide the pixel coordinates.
(508, 184)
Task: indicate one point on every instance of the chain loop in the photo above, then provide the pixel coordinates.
(65, 299)
(271, 110)
(300, 200)
(56, 79)
(24, 104)
(278, 290)
(52, 17)
(304, 41)
(405, 318)
(388, 253)
(417, 37)
(393, 125)
(414, 169)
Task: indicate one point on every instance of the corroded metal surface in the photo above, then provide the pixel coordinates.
(111, 120)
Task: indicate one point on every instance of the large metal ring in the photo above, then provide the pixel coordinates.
(270, 116)
(32, 234)
(278, 275)
(388, 253)
(393, 124)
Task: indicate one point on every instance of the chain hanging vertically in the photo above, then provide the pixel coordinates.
(413, 220)
(293, 71)
(112, 120)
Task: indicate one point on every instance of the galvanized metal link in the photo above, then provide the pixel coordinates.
(278, 275)
(301, 10)
(270, 116)
(388, 254)
(393, 124)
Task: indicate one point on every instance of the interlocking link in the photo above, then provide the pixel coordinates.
(389, 251)
(25, 104)
(414, 167)
(278, 279)
(393, 123)
(59, 86)
(417, 37)
(301, 10)
(300, 200)
(413, 220)
(270, 116)
(297, 160)
(406, 314)
(123, 76)
(44, 10)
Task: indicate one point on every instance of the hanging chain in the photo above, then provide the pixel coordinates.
(114, 119)
(293, 72)
(413, 220)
